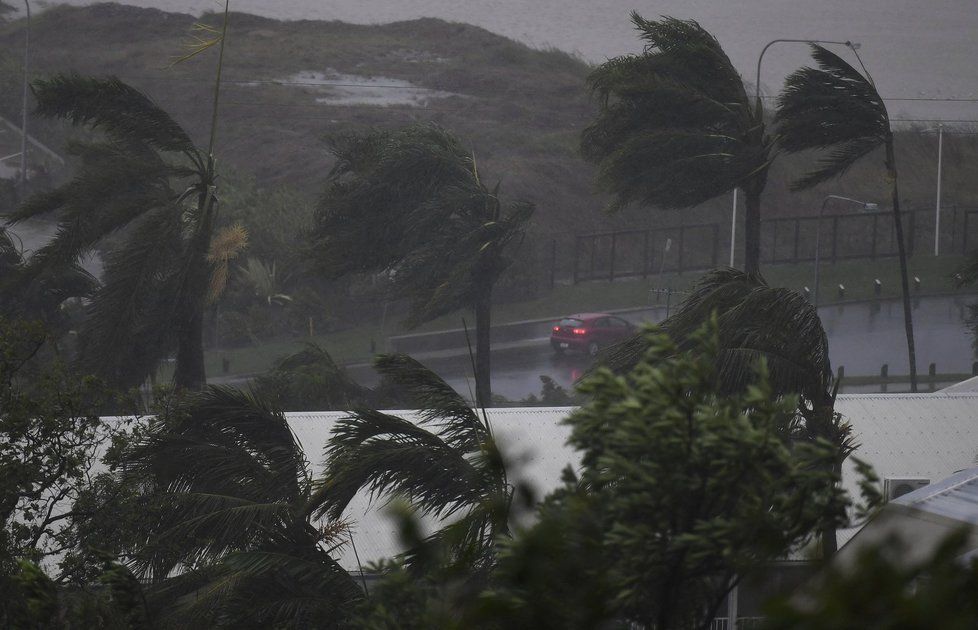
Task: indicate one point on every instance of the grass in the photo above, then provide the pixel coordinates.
(361, 343)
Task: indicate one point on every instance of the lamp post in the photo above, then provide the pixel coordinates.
(23, 120)
(937, 206)
(818, 231)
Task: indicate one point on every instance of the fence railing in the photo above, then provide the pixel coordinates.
(700, 246)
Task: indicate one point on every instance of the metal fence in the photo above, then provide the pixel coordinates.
(701, 246)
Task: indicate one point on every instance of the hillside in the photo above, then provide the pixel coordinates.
(290, 83)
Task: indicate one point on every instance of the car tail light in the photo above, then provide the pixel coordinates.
(556, 328)
(580, 331)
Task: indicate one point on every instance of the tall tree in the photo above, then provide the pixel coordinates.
(837, 109)
(676, 127)
(144, 173)
(412, 203)
(445, 465)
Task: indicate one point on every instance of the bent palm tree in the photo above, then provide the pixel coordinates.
(235, 487)
(447, 465)
(145, 174)
(757, 322)
(836, 107)
(411, 203)
(676, 127)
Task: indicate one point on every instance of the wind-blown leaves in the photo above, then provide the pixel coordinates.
(144, 174)
(445, 465)
(236, 487)
(834, 107)
(754, 321)
(676, 127)
(411, 204)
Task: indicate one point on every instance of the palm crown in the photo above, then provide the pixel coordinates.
(143, 175)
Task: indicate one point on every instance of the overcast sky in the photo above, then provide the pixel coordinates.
(913, 48)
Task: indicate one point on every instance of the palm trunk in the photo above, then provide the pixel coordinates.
(902, 249)
(752, 229)
(483, 323)
(189, 374)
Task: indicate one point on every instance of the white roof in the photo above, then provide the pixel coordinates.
(966, 386)
(900, 435)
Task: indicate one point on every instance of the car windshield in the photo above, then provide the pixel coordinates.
(570, 321)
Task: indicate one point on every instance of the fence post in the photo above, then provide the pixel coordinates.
(885, 375)
(716, 245)
(594, 248)
(645, 256)
(835, 237)
(797, 239)
(611, 264)
(577, 256)
(553, 262)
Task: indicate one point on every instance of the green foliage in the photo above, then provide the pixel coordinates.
(446, 465)
(235, 488)
(832, 107)
(411, 203)
(882, 591)
(310, 379)
(143, 174)
(675, 127)
(697, 489)
(49, 432)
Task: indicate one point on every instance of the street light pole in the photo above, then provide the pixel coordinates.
(23, 120)
(818, 232)
(937, 209)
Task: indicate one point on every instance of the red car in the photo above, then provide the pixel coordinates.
(589, 332)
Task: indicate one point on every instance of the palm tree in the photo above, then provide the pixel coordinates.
(310, 379)
(837, 107)
(446, 466)
(145, 174)
(676, 127)
(758, 322)
(39, 297)
(235, 487)
(411, 203)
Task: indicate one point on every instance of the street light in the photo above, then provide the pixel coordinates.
(818, 230)
(853, 46)
(937, 204)
(23, 120)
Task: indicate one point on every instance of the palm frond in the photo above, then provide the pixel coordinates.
(833, 106)
(676, 127)
(755, 322)
(127, 333)
(225, 246)
(458, 424)
(390, 456)
(113, 106)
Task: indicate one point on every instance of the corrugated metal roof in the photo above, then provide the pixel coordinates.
(955, 497)
(901, 435)
(967, 386)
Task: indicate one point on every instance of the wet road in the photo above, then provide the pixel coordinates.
(862, 337)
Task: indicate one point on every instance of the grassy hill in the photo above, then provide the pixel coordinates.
(521, 109)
